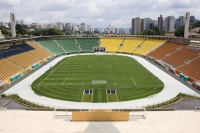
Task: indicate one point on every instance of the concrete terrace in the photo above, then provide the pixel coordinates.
(16, 121)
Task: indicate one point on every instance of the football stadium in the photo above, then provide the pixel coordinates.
(99, 78)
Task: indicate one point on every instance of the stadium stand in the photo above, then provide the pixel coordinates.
(164, 50)
(51, 46)
(19, 59)
(69, 45)
(191, 70)
(180, 56)
(111, 44)
(183, 59)
(130, 45)
(18, 55)
(23, 59)
(88, 44)
(147, 46)
(38, 52)
(8, 69)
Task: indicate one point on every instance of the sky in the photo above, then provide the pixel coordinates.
(98, 13)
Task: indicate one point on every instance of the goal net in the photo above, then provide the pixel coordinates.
(98, 82)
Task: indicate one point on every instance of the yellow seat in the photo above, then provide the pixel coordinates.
(111, 44)
(148, 46)
(130, 45)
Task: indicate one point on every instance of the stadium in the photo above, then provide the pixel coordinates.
(88, 73)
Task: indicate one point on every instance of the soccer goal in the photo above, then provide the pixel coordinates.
(99, 82)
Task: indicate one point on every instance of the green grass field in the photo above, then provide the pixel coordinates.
(68, 79)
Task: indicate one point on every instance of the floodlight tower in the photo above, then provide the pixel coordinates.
(187, 21)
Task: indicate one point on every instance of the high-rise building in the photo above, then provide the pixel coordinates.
(142, 25)
(68, 27)
(51, 26)
(21, 22)
(135, 25)
(44, 26)
(88, 28)
(82, 27)
(187, 21)
(12, 21)
(33, 25)
(147, 23)
(75, 27)
(154, 23)
(169, 24)
(179, 22)
(160, 23)
(59, 26)
(192, 20)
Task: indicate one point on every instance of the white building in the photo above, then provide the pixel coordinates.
(68, 26)
(44, 26)
(60, 26)
(147, 23)
(169, 23)
(21, 22)
(135, 26)
(51, 26)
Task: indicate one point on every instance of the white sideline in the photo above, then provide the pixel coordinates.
(133, 80)
(171, 89)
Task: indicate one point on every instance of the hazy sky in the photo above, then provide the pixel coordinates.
(98, 13)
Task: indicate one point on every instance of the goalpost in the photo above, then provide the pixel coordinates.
(99, 82)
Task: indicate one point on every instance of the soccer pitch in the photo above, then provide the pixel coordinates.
(72, 77)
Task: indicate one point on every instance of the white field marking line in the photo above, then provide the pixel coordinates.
(82, 95)
(82, 83)
(64, 81)
(50, 73)
(133, 81)
(107, 95)
(116, 95)
(103, 67)
(115, 84)
(92, 95)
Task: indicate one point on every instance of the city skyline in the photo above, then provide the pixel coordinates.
(96, 13)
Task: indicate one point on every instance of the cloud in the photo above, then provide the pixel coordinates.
(98, 13)
(4, 4)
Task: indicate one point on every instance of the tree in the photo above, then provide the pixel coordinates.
(179, 32)
(197, 24)
(5, 32)
(21, 29)
(46, 32)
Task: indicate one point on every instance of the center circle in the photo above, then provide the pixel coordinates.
(99, 66)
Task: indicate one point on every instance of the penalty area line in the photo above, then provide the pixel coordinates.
(133, 81)
(64, 81)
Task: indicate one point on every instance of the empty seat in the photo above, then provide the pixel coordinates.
(111, 44)
(147, 46)
(130, 45)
